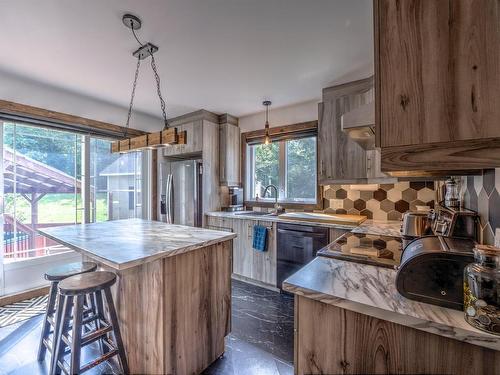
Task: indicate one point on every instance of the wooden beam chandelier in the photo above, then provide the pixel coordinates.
(166, 137)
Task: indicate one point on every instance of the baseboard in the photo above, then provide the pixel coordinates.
(254, 282)
(24, 295)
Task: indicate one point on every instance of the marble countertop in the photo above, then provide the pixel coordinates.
(231, 215)
(371, 290)
(122, 244)
(390, 228)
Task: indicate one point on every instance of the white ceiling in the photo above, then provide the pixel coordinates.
(220, 55)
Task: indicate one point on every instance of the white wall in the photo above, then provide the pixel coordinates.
(20, 90)
(307, 111)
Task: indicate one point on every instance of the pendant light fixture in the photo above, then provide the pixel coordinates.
(267, 139)
(166, 137)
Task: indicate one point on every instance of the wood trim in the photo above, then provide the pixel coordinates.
(226, 118)
(281, 130)
(24, 295)
(443, 156)
(376, 41)
(37, 113)
(200, 115)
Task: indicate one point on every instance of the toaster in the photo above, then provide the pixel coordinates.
(432, 270)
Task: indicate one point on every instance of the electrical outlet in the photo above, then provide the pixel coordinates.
(497, 237)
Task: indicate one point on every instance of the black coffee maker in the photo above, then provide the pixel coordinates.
(456, 222)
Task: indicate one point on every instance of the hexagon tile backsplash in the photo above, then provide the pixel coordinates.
(383, 202)
(482, 194)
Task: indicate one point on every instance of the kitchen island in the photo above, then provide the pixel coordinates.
(173, 293)
(349, 318)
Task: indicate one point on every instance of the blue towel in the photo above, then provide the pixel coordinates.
(259, 238)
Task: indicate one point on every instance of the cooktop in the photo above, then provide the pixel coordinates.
(366, 248)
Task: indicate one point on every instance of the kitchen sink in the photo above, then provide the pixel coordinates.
(255, 213)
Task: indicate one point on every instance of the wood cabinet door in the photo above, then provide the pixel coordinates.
(437, 70)
(341, 158)
(264, 262)
(229, 154)
(194, 140)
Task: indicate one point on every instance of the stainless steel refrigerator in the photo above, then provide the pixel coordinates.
(180, 192)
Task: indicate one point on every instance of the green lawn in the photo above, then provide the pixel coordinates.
(54, 208)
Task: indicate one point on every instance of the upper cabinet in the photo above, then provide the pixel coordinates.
(194, 140)
(229, 156)
(437, 80)
(340, 158)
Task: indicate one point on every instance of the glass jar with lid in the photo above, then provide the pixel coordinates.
(482, 289)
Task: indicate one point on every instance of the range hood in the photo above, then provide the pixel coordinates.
(359, 124)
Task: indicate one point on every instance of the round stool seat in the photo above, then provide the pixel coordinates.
(86, 283)
(61, 272)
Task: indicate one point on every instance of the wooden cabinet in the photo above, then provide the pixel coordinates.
(332, 340)
(247, 262)
(437, 68)
(194, 140)
(229, 159)
(340, 159)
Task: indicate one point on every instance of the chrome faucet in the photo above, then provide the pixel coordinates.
(277, 208)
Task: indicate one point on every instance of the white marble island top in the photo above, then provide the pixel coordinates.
(122, 244)
(371, 290)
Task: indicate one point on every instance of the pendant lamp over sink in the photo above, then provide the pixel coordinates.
(267, 139)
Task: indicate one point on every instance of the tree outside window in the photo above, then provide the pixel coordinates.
(290, 165)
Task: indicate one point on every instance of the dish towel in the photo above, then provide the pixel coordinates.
(259, 238)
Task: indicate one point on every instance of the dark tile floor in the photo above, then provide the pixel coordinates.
(264, 318)
(261, 341)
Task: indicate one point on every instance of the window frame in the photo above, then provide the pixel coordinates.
(278, 134)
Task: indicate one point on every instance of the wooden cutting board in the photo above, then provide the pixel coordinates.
(324, 218)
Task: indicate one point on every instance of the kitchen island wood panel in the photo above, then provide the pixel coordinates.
(339, 341)
(173, 290)
(175, 312)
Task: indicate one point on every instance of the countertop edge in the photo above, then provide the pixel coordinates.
(276, 219)
(126, 265)
(481, 339)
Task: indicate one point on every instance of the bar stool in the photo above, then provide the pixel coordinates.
(71, 296)
(55, 275)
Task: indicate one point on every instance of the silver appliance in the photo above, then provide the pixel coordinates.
(416, 224)
(235, 202)
(180, 192)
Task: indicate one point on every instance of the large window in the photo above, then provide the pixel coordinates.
(45, 180)
(290, 165)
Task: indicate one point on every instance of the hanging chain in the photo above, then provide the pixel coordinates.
(133, 94)
(162, 102)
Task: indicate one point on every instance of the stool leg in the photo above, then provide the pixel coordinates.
(102, 316)
(76, 339)
(116, 331)
(62, 328)
(58, 316)
(42, 349)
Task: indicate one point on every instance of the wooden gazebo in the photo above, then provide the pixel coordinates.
(33, 180)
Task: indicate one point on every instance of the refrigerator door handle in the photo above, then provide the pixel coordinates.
(169, 200)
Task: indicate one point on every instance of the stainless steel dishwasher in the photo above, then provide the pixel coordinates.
(297, 246)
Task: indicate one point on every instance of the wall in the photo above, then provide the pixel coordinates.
(482, 194)
(381, 202)
(302, 112)
(18, 89)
